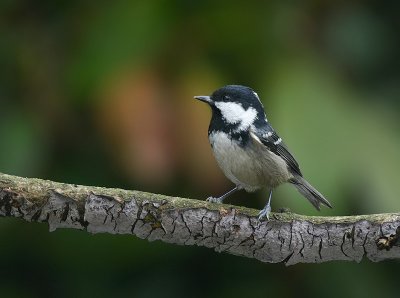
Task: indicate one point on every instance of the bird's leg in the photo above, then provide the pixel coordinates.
(264, 213)
(220, 199)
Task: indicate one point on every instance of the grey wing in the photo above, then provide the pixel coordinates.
(269, 138)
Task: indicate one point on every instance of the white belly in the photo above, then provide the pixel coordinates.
(251, 169)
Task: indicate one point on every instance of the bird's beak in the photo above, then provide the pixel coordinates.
(206, 99)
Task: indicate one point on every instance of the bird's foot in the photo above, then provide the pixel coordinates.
(264, 213)
(215, 200)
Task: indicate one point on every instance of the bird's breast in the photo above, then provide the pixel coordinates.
(247, 165)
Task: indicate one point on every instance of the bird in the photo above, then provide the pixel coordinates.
(249, 151)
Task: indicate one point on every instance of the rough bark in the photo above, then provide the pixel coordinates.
(286, 237)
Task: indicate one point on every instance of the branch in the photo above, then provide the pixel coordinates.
(287, 237)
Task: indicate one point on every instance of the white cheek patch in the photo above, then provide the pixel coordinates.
(235, 113)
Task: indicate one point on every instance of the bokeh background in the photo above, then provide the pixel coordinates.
(101, 93)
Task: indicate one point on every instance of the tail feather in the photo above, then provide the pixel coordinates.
(309, 192)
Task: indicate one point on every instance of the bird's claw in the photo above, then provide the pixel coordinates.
(214, 200)
(264, 213)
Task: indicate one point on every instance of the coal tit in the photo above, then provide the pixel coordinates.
(247, 148)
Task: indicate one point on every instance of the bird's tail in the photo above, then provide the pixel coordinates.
(309, 192)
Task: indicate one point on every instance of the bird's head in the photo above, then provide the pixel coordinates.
(236, 104)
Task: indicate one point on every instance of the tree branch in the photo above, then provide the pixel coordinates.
(287, 237)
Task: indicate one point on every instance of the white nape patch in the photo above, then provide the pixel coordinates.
(278, 141)
(234, 112)
(256, 95)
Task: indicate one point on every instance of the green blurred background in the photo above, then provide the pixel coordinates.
(100, 93)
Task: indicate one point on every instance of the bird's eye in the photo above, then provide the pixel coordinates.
(225, 98)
